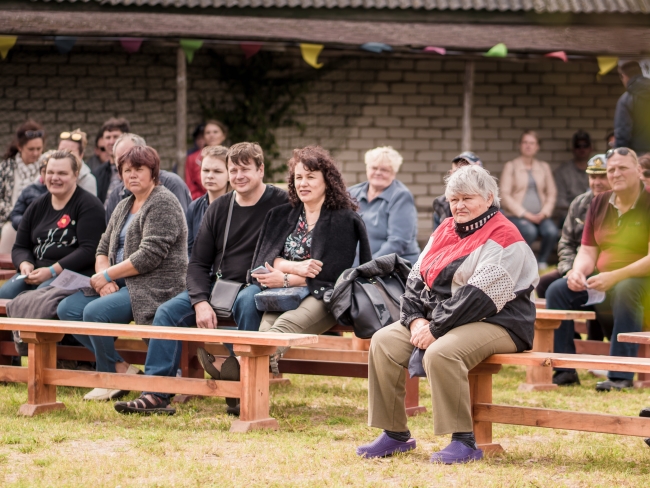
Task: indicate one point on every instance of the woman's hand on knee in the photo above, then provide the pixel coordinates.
(421, 336)
(108, 289)
(38, 276)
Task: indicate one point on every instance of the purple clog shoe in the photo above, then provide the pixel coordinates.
(384, 446)
(456, 453)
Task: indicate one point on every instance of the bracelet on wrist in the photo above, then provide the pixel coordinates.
(106, 277)
(286, 280)
(53, 271)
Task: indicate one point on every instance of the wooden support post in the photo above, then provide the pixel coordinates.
(41, 397)
(254, 400)
(181, 112)
(643, 379)
(540, 378)
(468, 85)
(412, 399)
(190, 367)
(480, 390)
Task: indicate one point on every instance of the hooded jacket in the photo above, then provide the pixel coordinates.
(632, 118)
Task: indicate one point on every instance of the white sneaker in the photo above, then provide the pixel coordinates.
(101, 394)
(598, 373)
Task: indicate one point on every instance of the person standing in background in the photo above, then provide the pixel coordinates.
(214, 134)
(570, 177)
(632, 117)
(528, 196)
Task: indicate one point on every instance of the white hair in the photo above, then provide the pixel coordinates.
(473, 180)
(135, 139)
(384, 155)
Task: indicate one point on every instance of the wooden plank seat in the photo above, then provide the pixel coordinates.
(5, 262)
(42, 377)
(3, 306)
(485, 413)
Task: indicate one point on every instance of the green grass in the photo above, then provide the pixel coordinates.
(322, 420)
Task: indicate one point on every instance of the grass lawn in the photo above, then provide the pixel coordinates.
(322, 420)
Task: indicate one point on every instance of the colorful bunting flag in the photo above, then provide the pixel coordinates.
(64, 44)
(131, 44)
(189, 46)
(606, 64)
(376, 47)
(6, 43)
(498, 51)
(432, 49)
(557, 54)
(250, 48)
(310, 53)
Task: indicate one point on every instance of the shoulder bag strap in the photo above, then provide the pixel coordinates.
(225, 233)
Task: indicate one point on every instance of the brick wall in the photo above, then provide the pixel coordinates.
(415, 105)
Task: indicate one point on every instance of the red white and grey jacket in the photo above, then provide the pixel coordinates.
(480, 271)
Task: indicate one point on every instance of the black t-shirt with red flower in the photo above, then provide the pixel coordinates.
(68, 236)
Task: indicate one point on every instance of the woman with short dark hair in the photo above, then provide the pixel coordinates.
(17, 171)
(141, 262)
(59, 230)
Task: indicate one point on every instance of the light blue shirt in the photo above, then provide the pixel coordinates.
(391, 220)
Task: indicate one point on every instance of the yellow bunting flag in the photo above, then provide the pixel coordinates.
(6, 43)
(189, 46)
(606, 64)
(497, 51)
(310, 53)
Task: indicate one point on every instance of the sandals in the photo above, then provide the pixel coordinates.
(146, 404)
(230, 371)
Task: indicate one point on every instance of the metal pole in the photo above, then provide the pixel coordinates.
(466, 144)
(181, 112)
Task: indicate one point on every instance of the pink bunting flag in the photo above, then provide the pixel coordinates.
(250, 48)
(131, 44)
(557, 54)
(438, 50)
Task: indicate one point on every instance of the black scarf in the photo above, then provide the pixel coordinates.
(468, 228)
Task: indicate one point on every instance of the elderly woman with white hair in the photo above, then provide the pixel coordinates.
(467, 297)
(387, 207)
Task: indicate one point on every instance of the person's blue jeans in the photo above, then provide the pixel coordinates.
(546, 230)
(113, 309)
(13, 287)
(164, 356)
(625, 301)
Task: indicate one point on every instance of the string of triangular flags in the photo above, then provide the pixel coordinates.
(311, 52)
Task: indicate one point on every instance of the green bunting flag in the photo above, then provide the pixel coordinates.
(498, 51)
(189, 46)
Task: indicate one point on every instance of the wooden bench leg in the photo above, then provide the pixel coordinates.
(412, 399)
(190, 367)
(41, 398)
(643, 379)
(480, 388)
(540, 378)
(254, 400)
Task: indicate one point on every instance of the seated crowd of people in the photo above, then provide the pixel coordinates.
(157, 249)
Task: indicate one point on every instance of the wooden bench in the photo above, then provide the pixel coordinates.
(42, 377)
(5, 262)
(485, 413)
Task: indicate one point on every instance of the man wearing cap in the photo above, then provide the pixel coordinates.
(632, 117)
(613, 261)
(567, 248)
(441, 209)
(570, 177)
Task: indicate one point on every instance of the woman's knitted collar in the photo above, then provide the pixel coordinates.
(468, 228)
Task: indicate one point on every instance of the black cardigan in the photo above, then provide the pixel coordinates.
(334, 242)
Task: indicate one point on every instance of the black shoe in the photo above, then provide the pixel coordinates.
(230, 371)
(613, 384)
(647, 441)
(645, 412)
(566, 378)
(206, 359)
(233, 410)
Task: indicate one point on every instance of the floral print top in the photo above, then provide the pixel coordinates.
(297, 247)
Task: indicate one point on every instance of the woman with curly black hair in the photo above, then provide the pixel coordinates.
(308, 243)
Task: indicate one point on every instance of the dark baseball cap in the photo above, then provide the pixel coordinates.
(581, 136)
(468, 156)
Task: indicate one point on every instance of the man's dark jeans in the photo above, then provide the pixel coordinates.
(624, 302)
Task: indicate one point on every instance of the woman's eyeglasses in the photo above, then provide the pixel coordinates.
(74, 136)
(623, 151)
(34, 134)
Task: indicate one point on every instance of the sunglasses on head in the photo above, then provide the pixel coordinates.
(623, 151)
(74, 136)
(33, 134)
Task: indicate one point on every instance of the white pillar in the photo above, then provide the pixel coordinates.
(466, 144)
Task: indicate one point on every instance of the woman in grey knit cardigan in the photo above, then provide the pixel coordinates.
(141, 262)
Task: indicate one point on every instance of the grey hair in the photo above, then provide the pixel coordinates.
(137, 140)
(384, 155)
(472, 180)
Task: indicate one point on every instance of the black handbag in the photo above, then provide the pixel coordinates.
(224, 293)
(375, 303)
